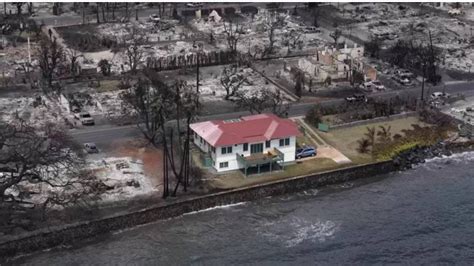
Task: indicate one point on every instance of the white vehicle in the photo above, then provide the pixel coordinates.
(455, 12)
(366, 86)
(85, 118)
(440, 95)
(154, 18)
(378, 85)
(90, 148)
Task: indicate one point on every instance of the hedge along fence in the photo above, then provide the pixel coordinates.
(67, 234)
(373, 120)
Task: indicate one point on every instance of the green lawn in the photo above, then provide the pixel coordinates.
(108, 85)
(345, 140)
(236, 179)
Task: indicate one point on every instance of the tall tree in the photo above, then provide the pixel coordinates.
(134, 52)
(49, 52)
(19, 6)
(146, 102)
(259, 101)
(232, 32)
(73, 57)
(43, 155)
(335, 35)
(232, 79)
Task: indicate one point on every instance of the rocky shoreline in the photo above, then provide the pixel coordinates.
(407, 159)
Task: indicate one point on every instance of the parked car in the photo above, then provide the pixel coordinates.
(91, 148)
(154, 18)
(366, 86)
(402, 80)
(311, 29)
(306, 151)
(357, 97)
(371, 85)
(440, 95)
(403, 73)
(85, 118)
(378, 85)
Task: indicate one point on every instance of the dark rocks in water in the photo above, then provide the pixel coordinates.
(418, 155)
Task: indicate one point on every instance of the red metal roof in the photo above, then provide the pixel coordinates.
(247, 129)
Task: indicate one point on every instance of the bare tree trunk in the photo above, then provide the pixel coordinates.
(98, 11)
(104, 19)
(114, 5)
(83, 13)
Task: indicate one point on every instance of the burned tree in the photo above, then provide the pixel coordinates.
(372, 47)
(335, 35)
(73, 57)
(232, 32)
(273, 21)
(232, 79)
(134, 51)
(104, 66)
(292, 39)
(264, 100)
(49, 52)
(19, 6)
(38, 159)
(182, 106)
(146, 103)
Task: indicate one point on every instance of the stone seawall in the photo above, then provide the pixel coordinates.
(67, 234)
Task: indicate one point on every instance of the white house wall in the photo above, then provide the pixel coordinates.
(288, 151)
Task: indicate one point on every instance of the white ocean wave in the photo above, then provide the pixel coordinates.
(294, 231)
(216, 207)
(436, 163)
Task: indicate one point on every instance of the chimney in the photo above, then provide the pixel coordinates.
(355, 45)
(345, 46)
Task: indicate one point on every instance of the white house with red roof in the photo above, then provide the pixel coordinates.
(249, 141)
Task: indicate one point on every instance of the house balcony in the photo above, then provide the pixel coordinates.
(259, 159)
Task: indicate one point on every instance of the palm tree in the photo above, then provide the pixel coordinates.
(370, 134)
(364, 145)
(384, 134)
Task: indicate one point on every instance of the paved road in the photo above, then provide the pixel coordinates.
(103, 136)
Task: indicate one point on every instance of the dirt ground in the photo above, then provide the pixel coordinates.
(151, 157)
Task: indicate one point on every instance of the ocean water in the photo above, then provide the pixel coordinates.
(421, 216)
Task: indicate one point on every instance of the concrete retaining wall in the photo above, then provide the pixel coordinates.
(54, 236)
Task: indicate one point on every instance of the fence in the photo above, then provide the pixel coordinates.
(374, 120)
(191, 60)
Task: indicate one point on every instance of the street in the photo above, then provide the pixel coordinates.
(106, 135)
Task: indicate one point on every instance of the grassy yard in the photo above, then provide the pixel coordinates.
(345, 140)
(108, 85)
(236, 179)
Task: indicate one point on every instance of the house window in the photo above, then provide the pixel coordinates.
(267, 144)
(213, 150)
(284, 142)
(200, 139)
(226, 150)
(224, 165)
(246, 146)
